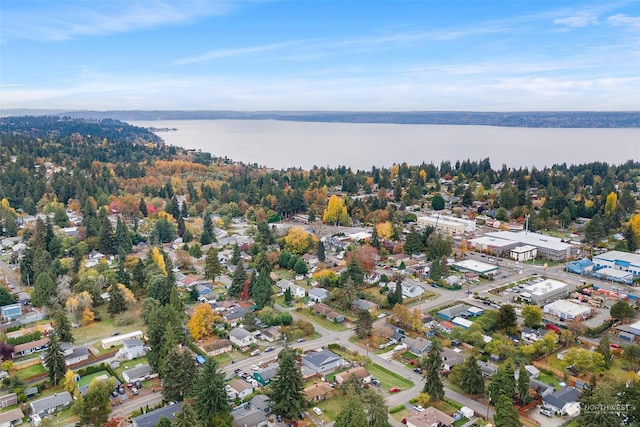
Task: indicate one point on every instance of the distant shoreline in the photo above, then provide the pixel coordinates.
(531, 119)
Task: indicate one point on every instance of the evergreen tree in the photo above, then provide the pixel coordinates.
(164, 422)
(5, 297)
(432, 365)
(208, 235)
(506, 414)
(212, 267)
(288, 297)
(105, 238)
(397, 292)
(436, 272)
(43, 290)
(355, 272)
(235, 255)
(237, 284)
(54, 361)
(94, 407)
(187, 417)
(321, 251)
(142, 207)
(413, 242)
(117, 304)
(62, 326)
(602, 395)
(523, 386)
(122, 238)
(262, 290)
(507, 319)
(503, 382)
(352, 412)
(376, 407)
(375, 240)
(287, 387)
(604, 348)
(471, 380)
(210, 395)
(179, 375)
(364, 324)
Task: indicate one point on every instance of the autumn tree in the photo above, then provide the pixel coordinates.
(366, 256)
(611, 204)
(201, 322)
(336, 212)
(532, 315)
(79, 306)
(95, 406)
(299, 241)
(70, 383)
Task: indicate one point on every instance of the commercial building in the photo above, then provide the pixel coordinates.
(616, 265)
(567, 310)
(475, 267)
(502, 242)
(629, 332)
(449, 224)
(544, 291)
(523, 253)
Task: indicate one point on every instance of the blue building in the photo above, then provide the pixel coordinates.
(11, 311)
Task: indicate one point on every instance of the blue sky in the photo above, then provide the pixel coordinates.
(320, 55)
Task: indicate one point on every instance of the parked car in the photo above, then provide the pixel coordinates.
(546, 412)
(317, 410)
(268, 349)
(394, 390)
(300, 340)
(255, 368)
(254, 353)
(418, 408)
(417, 370)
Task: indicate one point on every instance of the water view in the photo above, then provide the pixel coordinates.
(282, 144)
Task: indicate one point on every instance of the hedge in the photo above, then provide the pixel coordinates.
(396, 409)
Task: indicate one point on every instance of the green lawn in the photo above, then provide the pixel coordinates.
(104, 328)
(388, 378)
(30, 371)
(330, 408)
(86, 380)
(321, 321)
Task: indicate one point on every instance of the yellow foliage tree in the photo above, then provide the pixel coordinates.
(299, 241)
(129, 298)
(384, 229)
(158, 259)
(336, 212)
(635, 225)
(88, 316)
(330, 274)
(416, 320)
(611, 203)
(201, 323)
(77, 304)
(70, 384)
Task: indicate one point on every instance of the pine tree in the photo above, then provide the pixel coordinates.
(62, 326)
(364, 323)
(142, 207)
(397, 292)
(43, 290)
(95, 406)
(54, 361)
(122, 238)
(288, 297)
(117, 304)
(287, 387)
(186, 417)
(212, 267)
(604, 348)
(179, 375)
(237, 284)
(432, 365)
(471, 380)
(235, 255)
(352, 412)
(262, 289)
(523, 386)
(321, 251)
(105, 238)
(208, 236)
(376, 407)
(503, 382)
(164, 422)
(210, 395)
(506, 414)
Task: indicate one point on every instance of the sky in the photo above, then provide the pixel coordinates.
(348, 55)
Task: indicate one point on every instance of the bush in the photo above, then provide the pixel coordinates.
(396, 409)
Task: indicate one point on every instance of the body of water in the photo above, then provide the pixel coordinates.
(282, 144)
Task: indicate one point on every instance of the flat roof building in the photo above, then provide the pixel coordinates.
(449, 224)
(548, 247)
(545, 291)
(475, 266)
(567, 310)
(617, 260)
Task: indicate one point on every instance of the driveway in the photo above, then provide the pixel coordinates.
(545, 421)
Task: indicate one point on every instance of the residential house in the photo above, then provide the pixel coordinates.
(418, 345)
(430, 417)
(363, 304)
(73, 355)
(529, 335)
(151, 419)
(241, 388)
(11, 312)
(29, 347)
(542, 389)
(234, 315)
(398, 259)
(265, 375)
(446, 326)
(218, 347)
(261, 402)
(50, 404)
(241, 337)
(131, 349)
(532, 371)
(488, 369)
(318, 294)
(139, 372)
(318, 392)
(360, 372)
(563, 401)
(322, 362)
(30, 392)
(409, 290)
(249, 418)
(451, 358)
(310, 259)
(8, 400)
(271, 334)
(451, 312)
(11, 418)
(296, 291)
(328, 312)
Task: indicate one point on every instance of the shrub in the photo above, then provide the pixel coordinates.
(396, 409)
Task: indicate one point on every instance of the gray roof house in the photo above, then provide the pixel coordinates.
(318, 294)
(138, 373)
(561, 400)
(541, 389)
(150, 419)
(322, 361)
(249, 418)
(488, 369)
(11, 418)
(451, 358)
(417, 345)
(363, 304)
(50, 404)
(264, 376)
(451, 312)
(241, 337)
(261, 402)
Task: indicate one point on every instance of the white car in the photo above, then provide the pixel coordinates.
(317, 410)
(255, 368)
(418, 408)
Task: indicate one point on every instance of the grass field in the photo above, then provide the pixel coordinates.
(321, 321)
(104, 328)
(388, 378)
(86, 380)
(30, 371)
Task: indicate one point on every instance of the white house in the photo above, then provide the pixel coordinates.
(239, 388)
(318, 294)
(138, 373)
(296, 291)
(131, 349)
(50, 404)
(241, 337)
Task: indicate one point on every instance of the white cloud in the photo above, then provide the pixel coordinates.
(621, 20)
(96, 18)
(224, 53)
(577, 21)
